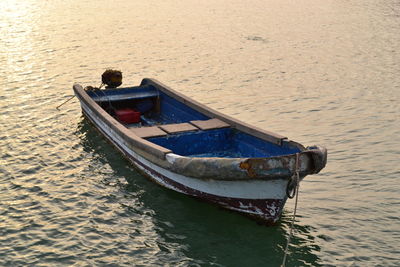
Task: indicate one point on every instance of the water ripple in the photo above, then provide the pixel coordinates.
(318, 73)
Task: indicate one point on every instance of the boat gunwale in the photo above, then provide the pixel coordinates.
(237, 124)
(160, 152)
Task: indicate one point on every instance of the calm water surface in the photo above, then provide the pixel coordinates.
(319, 72)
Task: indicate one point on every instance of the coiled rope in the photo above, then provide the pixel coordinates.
(296, 179)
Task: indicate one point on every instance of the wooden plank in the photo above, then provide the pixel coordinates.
(148, 132)
(210, 124)
(178, 127)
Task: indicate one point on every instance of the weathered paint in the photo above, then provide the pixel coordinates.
(263, 200)
(240, 181)
(227, 142)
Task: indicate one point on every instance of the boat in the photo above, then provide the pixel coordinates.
(190, 148)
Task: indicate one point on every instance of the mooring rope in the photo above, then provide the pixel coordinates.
(58, 107)
(297, 177)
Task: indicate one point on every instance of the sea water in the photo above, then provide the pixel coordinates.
(318, 72)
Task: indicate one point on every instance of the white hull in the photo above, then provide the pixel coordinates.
(260, 198)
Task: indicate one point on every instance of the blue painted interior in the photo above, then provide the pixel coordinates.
(227, 143)
(145, 99)
(159, 108)
(173, 111)
(127, 93)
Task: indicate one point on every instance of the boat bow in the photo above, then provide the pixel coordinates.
(311, 161)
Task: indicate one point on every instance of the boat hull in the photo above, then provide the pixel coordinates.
(261, 199)
(186, 147)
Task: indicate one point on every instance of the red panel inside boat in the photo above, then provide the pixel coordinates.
(128, 115)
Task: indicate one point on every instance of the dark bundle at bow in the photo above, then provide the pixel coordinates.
(112, 78)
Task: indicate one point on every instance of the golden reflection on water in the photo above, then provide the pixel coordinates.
(16, 27)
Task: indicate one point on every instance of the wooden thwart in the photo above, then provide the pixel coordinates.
(210, 124)
(178, 127)
(148, 132)
(163, 130)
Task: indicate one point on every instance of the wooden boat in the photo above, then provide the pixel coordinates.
(192, 149)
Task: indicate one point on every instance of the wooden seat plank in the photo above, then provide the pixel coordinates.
(210, 124)
(178, 127)
(148, 132)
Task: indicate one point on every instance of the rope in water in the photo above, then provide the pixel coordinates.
(69, 99)
(58, 107)
(297, 177)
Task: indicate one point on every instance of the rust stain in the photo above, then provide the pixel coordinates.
(247, 165)
(255, 167)
(244, 165)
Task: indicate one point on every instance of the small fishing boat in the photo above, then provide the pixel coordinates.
(192, 149)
